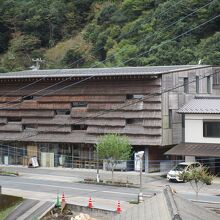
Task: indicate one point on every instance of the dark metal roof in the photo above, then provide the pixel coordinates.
(86, 72)
(202, 105)
(195, 149)
(167, 206)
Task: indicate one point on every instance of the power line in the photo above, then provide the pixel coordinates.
(175, 37)
(180, 35)
(70, 65)
(126, 105)
(110, 56)
(76, 83)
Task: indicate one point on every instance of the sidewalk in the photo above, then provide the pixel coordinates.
(77, 174)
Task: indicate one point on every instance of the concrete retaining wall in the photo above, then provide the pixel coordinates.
(100, 214)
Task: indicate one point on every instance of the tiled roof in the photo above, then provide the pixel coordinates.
(202, 105)
(167, 206)
(85, 72)
(195, 149)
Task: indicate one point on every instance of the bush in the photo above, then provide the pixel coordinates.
(3, 70)
(197, 177)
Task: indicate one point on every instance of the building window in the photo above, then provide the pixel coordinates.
(30, 127)
(208, 84)
(78, 127)
(129, 96)
(134, 121)
(79, 104)
(216, 78)
(197, 84)
(170, 118)
(137, 96)
(14, 119)
(183, 121)
(211, 129)
(186, 85)
(62, 112)
(30, 97)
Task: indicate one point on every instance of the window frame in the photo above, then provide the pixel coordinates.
(14, 119)
(82, 127)
(186, 85)
(170, 118)
(134, 121)
(208, 78)
(205, 134)
(62, 112)
(79, 104)
(197, 85)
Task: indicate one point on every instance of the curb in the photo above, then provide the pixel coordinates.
(204, 201)
(45, 212)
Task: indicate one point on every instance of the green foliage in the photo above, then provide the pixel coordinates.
(73, 58)
(3, 70)
(113, 148)
(24, 44)
(197, 177)
(106, 14)
(123, 54)
(125, 32)
(209, 50)
(148, 27)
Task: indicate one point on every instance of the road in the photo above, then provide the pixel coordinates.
(44, 184)
(47, 190)
(37, 187)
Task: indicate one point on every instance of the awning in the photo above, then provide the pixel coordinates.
(195, 149)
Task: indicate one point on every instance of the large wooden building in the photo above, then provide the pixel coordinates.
(58, 115)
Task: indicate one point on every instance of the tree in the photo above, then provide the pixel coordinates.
(197, 177)
(209, 50)
(24, 43)
(73, 58)
(113, 148)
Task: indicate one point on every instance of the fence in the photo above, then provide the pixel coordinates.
(10, 155)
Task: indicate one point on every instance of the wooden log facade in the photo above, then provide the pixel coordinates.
(129, 104)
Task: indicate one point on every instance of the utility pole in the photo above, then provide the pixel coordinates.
(38, 62)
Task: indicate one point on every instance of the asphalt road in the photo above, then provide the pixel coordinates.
(71, 189)
(34, 188)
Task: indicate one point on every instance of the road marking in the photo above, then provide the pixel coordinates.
(53, 186)
(129, 194)
(114, 192)
(204, 201)
(75, 188)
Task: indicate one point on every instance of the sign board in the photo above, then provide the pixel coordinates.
(137, 161)
(33, 162)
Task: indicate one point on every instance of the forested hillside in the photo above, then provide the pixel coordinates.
(100, 33)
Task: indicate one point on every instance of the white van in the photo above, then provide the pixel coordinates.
(180, 168)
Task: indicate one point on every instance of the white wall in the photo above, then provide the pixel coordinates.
(194, 128)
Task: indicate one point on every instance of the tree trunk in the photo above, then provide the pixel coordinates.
(112, 173)
(197, 191)
(113, 168)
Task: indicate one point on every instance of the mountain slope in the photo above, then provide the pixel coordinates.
(89, 33)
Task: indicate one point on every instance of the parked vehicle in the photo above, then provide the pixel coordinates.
(180, 168)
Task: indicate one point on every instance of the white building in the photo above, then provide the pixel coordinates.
(201, 122)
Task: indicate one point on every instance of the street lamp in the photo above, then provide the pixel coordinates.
(139, 156)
